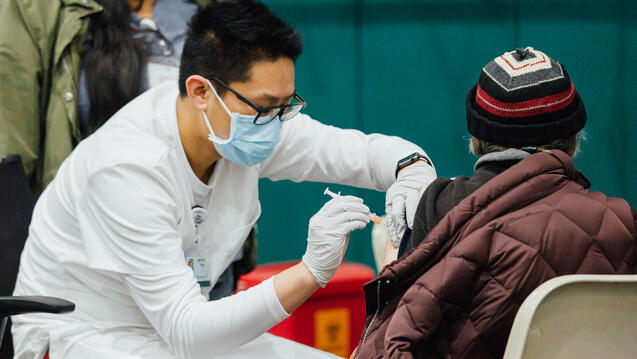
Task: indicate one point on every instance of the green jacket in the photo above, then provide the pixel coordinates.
(40, 43)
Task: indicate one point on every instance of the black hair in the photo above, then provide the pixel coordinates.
(114, 62)
(226, 38)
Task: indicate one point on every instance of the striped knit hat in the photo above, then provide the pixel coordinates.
(524, 98)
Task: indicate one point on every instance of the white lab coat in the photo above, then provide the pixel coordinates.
(109, 233)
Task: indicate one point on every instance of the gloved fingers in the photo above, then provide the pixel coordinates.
(389, 220)
(398, 211)
(338, 201)
(396, 217)
(356, 208)
(343, 199)
(354, 225)
(347, 217)
(411, 205)
(350, 199)
(348, 205)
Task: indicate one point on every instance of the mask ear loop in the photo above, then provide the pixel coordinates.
(211, 136)
(219, 98)
(214, 138)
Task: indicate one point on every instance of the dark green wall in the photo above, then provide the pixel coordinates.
(404, 68)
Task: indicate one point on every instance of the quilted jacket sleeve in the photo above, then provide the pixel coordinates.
(441, 289)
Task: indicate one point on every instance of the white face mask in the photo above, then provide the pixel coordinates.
(248, 144)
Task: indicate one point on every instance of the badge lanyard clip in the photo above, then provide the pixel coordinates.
(199, 215)
(197, 255)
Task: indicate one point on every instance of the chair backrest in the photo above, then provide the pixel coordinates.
(16, 206)
(577, 316)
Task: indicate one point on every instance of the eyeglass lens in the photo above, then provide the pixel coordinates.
(288, 113)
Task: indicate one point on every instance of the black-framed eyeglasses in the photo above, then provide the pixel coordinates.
(267, 114)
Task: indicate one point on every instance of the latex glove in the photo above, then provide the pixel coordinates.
(403, 196)
(328, 235)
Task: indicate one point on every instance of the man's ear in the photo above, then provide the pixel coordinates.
(198, 91)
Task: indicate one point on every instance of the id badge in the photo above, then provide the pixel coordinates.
(197, 260)
(159, 73)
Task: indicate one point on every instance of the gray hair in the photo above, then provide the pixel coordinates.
(570, 145)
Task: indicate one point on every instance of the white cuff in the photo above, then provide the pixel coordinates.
(391, 149)
(272, 300)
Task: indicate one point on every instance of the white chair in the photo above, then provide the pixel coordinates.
(577, 316)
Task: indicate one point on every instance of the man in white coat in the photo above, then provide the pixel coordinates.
(145, 214)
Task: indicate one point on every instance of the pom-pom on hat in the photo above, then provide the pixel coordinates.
(524, 98)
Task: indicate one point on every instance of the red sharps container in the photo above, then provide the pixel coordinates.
(332, 319)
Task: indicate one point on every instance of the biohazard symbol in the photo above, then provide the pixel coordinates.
(332, 330)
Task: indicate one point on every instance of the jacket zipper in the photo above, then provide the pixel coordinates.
(369, 326)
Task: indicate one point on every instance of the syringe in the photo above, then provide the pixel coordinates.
(373, 216)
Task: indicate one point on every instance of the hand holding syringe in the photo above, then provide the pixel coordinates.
(373, 216)
(328, 234)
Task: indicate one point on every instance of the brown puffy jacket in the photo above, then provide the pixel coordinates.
(456, 294)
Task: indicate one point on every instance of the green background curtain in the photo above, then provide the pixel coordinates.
(404, 68)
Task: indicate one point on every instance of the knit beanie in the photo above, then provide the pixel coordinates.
(524, 98)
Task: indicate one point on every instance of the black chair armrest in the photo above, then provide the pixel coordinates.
(10, 158)
(33, 304)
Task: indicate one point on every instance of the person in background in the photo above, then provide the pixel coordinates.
(146, 213)
(480, 245)
(68, 66)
